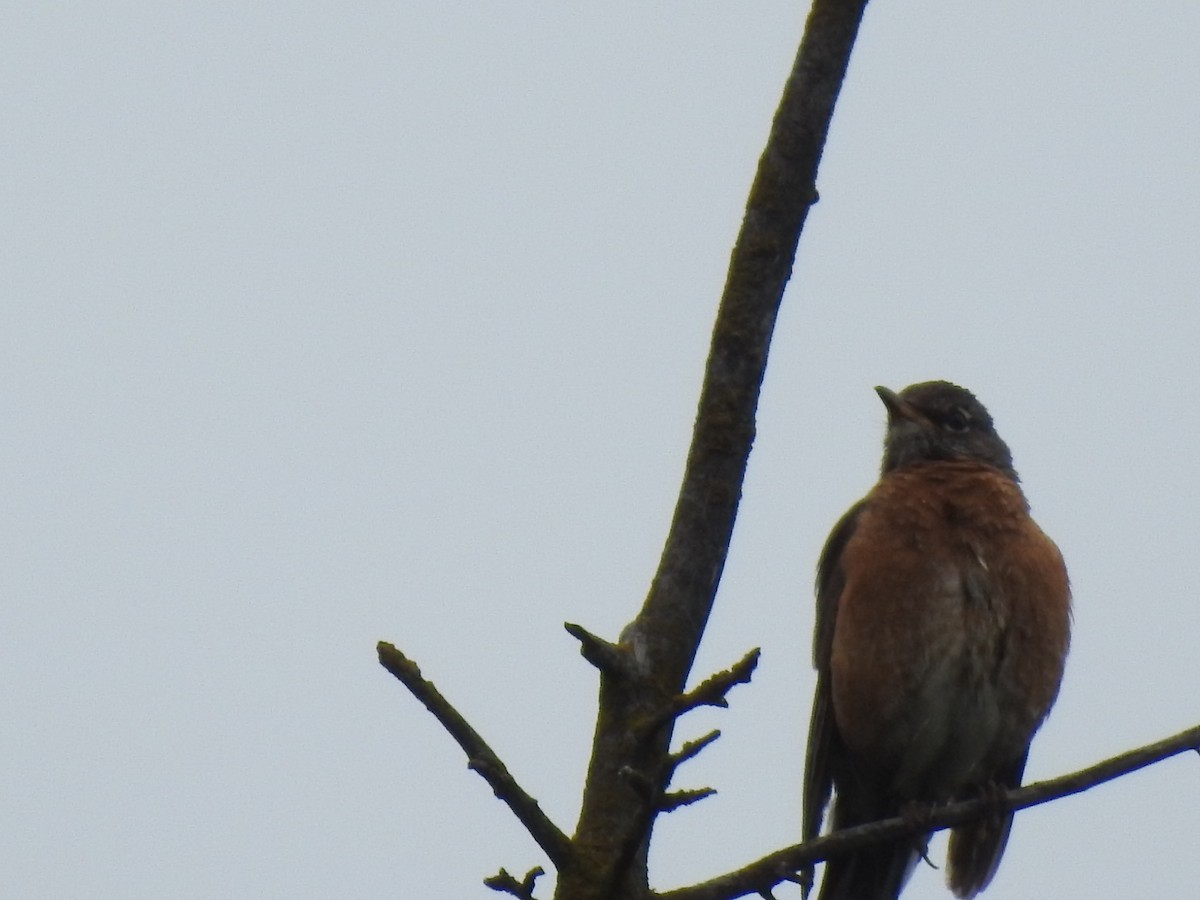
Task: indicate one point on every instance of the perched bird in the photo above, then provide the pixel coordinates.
(943, 620)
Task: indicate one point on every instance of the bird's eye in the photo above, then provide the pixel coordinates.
(958, 419)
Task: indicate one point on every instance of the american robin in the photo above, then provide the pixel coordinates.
(943, 619)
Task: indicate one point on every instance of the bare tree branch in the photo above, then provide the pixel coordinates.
(604, 655)
(480, 756)
(666, 633)
(505, 883)
(712, 691)
(782, 865)
(691, 749)
(678, 799)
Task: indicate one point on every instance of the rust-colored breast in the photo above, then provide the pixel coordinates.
(951, 629)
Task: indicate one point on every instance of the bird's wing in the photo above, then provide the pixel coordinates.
(822, 731)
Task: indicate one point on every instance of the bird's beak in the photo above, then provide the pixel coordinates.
(898, 408)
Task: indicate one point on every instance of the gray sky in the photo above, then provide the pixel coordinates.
(325, 324)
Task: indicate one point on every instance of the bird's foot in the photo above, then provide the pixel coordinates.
(918, 814)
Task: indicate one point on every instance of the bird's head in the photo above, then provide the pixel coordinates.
(936, 421)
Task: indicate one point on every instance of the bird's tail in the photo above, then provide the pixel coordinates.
(873, 873)
(976, 847)
(974, 853)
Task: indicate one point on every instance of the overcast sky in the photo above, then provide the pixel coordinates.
(331, 323)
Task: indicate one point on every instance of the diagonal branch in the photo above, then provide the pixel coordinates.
(480, 756)
(668, 628)
(678, 799)
(712, 691)
(661, 642)
(691, 749)
(763, 874)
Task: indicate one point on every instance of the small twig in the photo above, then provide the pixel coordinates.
(782, 865)
(481, 758)
(673, 800)
(604, 655)
(691, 749)
(506, 884)
(712, 691)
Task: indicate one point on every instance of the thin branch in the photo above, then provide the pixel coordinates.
(712, 691)
(480, 756)
(691, 749)
(668, 628)
(765, 873)
(503, 882)
(605, 656)
(677, 799)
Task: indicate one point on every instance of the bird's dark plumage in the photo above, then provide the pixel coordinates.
(943, 620)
